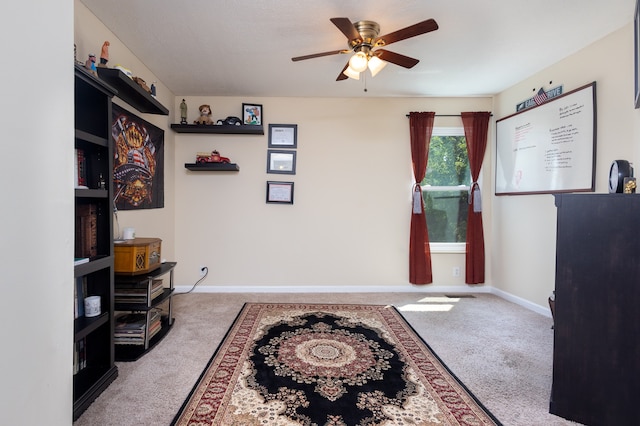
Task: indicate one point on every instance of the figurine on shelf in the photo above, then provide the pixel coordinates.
(183, 112)
(230, 121)
(91, 64)
(153, 89)
(142, 84)
(205, 115)
(214, 157)
(629, 185)
(104, 54)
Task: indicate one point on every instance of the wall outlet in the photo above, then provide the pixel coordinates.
(456, 271)
(203, 270)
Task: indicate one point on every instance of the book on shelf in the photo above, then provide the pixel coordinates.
(79, 355)
(78, 296)
(86, 238)
(131, 321)
(80, 260)
(80, 169)
(156, 289)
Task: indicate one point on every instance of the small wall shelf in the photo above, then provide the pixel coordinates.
(131, 92)
(212, 167)
(226, 129)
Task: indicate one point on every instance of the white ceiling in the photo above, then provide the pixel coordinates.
(244, 47)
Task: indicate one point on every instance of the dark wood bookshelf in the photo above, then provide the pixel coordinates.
(94, 359)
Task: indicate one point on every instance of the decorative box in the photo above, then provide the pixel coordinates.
(137, 256)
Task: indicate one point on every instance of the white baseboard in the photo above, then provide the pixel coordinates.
(542, 310)
(337, 289)
(460, 289)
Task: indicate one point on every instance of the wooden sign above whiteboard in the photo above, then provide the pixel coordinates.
(549, 148)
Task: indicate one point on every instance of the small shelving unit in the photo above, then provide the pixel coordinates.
(142, 302)
(212, 167)
(131, 92)
(223, 129)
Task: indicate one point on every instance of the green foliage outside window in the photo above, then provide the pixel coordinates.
(446, 208)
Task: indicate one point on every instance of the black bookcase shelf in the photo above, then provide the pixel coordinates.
(143, 283)
(212, 167)
(131, 92)
(94, 366)
(223, 129)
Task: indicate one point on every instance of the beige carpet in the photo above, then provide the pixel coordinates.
(500, 351)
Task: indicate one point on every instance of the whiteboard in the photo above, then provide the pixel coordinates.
(549, 148)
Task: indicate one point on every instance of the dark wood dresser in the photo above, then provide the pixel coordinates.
(596, 357)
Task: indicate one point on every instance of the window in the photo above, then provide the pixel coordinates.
(445, 189)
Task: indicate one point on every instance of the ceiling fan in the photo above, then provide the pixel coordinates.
(364, 42)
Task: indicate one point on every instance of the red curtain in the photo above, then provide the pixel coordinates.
(476, 126)
(421, 127)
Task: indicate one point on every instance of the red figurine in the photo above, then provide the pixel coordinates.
(214, 157)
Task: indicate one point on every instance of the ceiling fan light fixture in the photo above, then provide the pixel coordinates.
(351, 73)
(375, 65)
(358, 62)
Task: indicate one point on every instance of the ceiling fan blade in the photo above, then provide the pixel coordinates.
(347, 28)
(405, 33)
(396, 58)
(318, 55)
(341, 76)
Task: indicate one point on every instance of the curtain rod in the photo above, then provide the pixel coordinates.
(450, 115)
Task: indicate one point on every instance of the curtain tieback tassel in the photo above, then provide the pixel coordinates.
(417, 199)
(475, 197)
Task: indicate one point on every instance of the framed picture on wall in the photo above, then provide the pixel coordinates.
(283, 135)
(280, 192)
(252, 114)
(281, 162)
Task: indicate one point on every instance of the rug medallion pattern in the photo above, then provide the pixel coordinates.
(327, 365)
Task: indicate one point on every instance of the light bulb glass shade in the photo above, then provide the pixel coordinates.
(358, 62)
(349, 72)
(375, 65)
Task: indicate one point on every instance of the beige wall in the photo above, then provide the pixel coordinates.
(349, 225)
(523, 237)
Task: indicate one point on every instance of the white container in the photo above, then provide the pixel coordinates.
(92, 306)
(129, 233)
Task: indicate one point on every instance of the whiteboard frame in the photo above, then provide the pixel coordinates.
(587, 154)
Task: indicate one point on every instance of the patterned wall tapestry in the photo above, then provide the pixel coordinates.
(138, 162)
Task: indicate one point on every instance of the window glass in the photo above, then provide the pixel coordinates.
(446, 186)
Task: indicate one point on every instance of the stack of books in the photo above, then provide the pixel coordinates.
(137, 295)
(130, 328)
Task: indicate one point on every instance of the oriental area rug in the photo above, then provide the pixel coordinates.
(327, 365)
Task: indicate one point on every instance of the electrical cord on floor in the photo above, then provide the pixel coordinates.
(206, 272)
